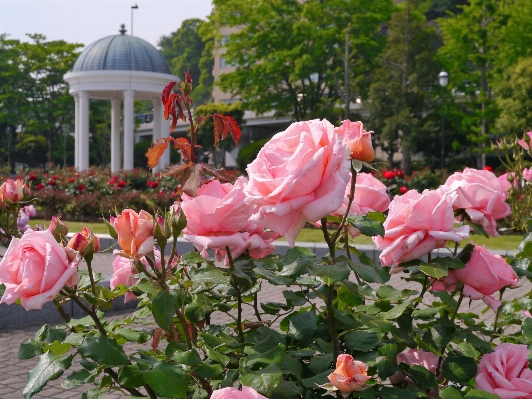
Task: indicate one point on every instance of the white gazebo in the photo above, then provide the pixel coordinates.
(118, 68)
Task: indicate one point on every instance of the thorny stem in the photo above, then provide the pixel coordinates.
(497, 316)
(327, 237)
(332, 322)
(256, 306)
(192, 134)
(238, 296)
(183, 322)
(91, 277)
(350, 202)
(423, 290)
(455, 312)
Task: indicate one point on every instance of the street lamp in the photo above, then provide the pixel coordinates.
(444, 79)
(133, 8)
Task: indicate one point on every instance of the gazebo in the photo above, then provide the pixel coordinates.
(118, 68)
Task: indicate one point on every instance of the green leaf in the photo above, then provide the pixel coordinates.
(57, 348)
(131, 335)
(104, 350)
(316, 380)
(296, 261)
(209, 371)
(526, 329)
(49, 367)
(147, 287)
(478, 228)
(274, 355)
(288, 388)
(303, 325)
(465, 253)
(163, 309)
(389, 293)
(423, 377)
(385, 367)
(77, 378)
(468, 350)
(55, 334)
(2, 289)
(190, 357)
(217, 356)
(318, 364)
(191, 258)
(330, 274)
(294, 298)
(367, 225)
(231, 376)
(439, 336)
(394, 393)
(478, 394)
(397, 310)
(434, 270)
(209, 274)
(428, 313)
(450, 393)
(369, 271)
(130, 376)
(363, 341)
(450, 263)
(478, 343)
(289, 365)
(243, 274)
(198, 310)
(272, 278)
(167, 380)
(30, 349)
(263, 381)
(93, 393)
(459, 368)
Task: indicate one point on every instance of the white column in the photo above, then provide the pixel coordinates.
(115, 135)
(83, 130)
(129, 125)
(76, 131)
(157, 107)
(164, 161)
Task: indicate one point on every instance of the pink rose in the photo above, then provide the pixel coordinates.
(484, 274)
(524, 143)
(527, 174)
(481, 195)
(123, 271)
(370, 196)
(217, 216)
(416, 357)
(13, 190)
(350, 374)
(35, 268)
(233, 393)
(357, 140)
(80, 241)
(505, 372)
(417, 224)
(259, 242)
(299, 175)
(504, 181)
(135, 231)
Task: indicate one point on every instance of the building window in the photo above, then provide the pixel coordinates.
(225, 64)
(224, 41)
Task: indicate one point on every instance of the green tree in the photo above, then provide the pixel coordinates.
(185, 51)
(47, 106)
(471, 42)
(290, 54)
(205, 133)
(515, 99)
(400, 97)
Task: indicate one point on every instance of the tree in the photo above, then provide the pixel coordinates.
(469, 53)
(289, 55)
(47, 106)
(185, 50)
(400, 97)
(515, 99)
(204, 135)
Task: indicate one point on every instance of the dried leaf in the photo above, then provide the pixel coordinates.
(191, 179)
(220, 174)
(156, 338)
(156, 151)
(170, 170)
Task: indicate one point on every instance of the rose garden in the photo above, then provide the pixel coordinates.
(340, 327)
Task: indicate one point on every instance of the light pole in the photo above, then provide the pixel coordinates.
(133, 8)
(444, 79)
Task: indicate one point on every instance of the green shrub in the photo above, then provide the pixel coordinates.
(249, 153)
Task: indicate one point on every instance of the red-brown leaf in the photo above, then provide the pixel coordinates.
(156, 151)
(166, 92)
(180, 107)
(183, 144)
(233, 128)
(192, 179)
(172, 169)
(220, 174)
(169, 107)
(220, 129)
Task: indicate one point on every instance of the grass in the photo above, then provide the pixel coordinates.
(504, 242)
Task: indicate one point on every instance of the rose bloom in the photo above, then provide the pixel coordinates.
(416, 357)
(388, 174)
(299, 175)
(233, 393)
(123, 271)
(417, 224)
(484, 274)
(357, 140)
(350, 374)
(527, 174)
(505, 372)
(80, 240)
(135, 231)
(13, 191)
(481, 195)
(370, 196)
(504, 181)
(35, 268)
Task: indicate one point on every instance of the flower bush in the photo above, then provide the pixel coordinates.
(339, 324)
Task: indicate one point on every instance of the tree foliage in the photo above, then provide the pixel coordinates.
(289, 55)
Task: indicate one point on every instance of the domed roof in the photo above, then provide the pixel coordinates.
(123, 53)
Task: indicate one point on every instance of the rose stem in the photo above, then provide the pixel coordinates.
(238, 296)
(497, 316)
(440, 360)
(350, 202)
(91, 277)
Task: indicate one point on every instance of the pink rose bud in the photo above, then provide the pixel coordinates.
(233, 393)
(58, 229)
(357, 140)
(350, 374)
(13, 191)
(505, 372)
(135, 232)
(35, 268)
(179, 220)
(525, 141)
(86, 243)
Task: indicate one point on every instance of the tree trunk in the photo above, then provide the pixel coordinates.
(406, 164)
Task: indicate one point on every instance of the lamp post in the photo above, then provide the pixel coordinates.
(133, 8)
(444, 79)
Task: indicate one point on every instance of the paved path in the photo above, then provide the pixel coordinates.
(14, 372)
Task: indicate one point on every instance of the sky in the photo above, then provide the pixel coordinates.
(85, 21)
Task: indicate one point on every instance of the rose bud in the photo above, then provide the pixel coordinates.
(58, 229)
(179, 220)
(357, 140)
(86, 243)
(350, 374)
(13, 191)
